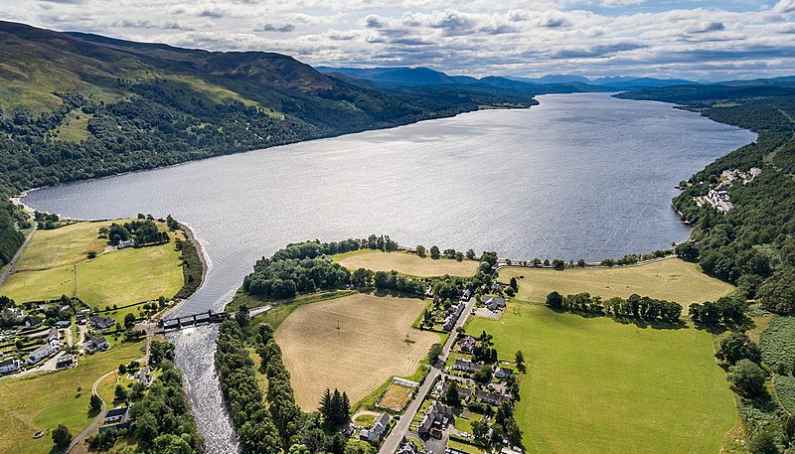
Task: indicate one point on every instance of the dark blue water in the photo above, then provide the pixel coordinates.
(580, 176)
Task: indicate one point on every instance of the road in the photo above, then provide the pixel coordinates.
(12, 265)
(98, 420)
(400, 430)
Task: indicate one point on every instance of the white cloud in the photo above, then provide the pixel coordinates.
(477, 37)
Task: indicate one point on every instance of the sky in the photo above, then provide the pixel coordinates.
(698, 40)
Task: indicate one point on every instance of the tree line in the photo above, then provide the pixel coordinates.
(636, 307)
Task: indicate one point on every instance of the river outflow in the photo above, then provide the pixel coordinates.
(579, 176)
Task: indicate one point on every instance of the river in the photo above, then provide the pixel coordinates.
(579, 176)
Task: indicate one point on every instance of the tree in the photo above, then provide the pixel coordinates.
(687, 251)
(471, 254)
(120, 393)
(95, 404)
(299, 449)
(171, 444)
(763, 443)
(354, 446)
(459, 256)
(242, 316)
(129, 321)
(435, 254)
(555, 300)
(452, 396)
(421, 251)
(738, 346)
(514, 284)
(778, 292)
(122, 369)
(61, 437)
(480, 430)
(747, 378)
(519, 360)
(434, 353)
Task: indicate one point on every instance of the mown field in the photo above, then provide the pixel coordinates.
(56, 263)
(31, 404)
(669, 279)
(406, 263)
(597, 386)
(354, 343)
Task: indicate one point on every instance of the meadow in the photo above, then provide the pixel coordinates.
(670, 279)
(596, 386)
(354, 343)
(56, 263)
(41, 402)
(405, 263)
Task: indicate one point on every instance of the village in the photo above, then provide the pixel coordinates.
(718, 197)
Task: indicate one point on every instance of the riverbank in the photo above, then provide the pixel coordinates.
(195, 263)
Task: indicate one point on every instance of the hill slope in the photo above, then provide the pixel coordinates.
(76, 106)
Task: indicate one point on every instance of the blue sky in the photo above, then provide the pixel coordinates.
(702, 40)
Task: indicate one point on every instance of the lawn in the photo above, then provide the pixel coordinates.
(597, 386)
(55, 264)
(74, 127)
(405, 263)
(354, 343)
(669, 279)
(31, 404)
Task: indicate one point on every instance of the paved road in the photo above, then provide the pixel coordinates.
(400, 430)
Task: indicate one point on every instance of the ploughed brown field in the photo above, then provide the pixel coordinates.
(354, 344)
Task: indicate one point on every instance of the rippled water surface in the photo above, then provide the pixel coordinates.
(580, 176)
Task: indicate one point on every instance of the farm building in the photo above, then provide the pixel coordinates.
(95, 343)
(9, 366)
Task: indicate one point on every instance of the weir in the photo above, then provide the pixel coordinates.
(185, 321)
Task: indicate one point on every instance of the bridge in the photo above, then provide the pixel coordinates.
(178, 323)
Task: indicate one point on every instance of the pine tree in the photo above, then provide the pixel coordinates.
(346, 410)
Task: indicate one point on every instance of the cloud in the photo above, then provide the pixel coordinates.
(284, 28)
(554, 20)
(212, 13)
(785, 7)
(598, 51)
(63, 2)
(454, 24)
(373, 21)
(707, 27)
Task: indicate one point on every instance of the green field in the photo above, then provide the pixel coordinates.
(74, 127)
(405, 263)
(55, 263)
(597, 386)
(31, 404)
(669, 279)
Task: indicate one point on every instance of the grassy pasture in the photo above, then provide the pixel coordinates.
(670, 279)
(55, 263)
(74, 127)
(597, 386)
(354, 343)
(41, 402)
(405, 263)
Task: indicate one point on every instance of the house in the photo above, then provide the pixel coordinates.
(45, 351)
(95, 343)
(101, 323)
(65, 362)
(502, 372)
(438, 417)
(489, 397)
(466, 344)
(513, 450)
(125, 244)
(376, 433)
(464, 365)
(495, 303)
(10, 366)
(116, 418)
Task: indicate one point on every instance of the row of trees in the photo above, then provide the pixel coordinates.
(727, 311)
(641, 308)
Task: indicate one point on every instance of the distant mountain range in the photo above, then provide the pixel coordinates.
(554, 83)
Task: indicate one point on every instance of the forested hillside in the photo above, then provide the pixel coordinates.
(76, 106)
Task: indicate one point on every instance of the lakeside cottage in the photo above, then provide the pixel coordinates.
(116, 418)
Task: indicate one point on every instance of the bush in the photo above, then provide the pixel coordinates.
(747, 378)
(763, 443)
(61, 437)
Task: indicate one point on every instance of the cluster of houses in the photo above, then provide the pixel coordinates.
(48, 349)
(718, 197)
(453, 313)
